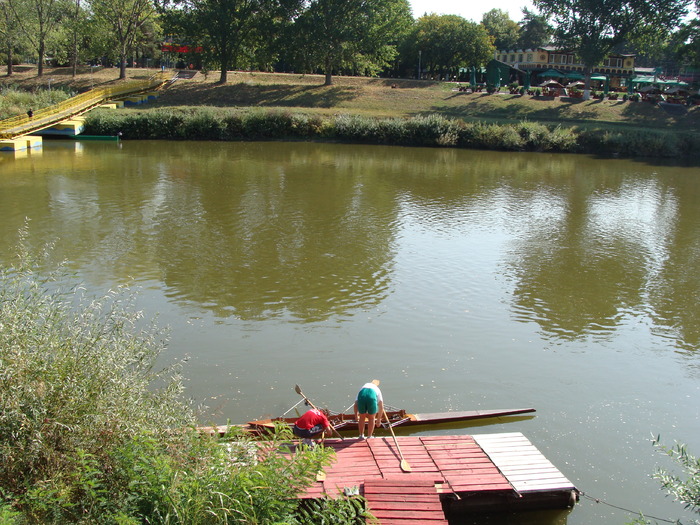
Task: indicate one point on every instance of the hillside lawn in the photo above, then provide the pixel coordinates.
(381, 97)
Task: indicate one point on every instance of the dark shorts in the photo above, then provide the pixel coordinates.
(367, 401)
(307, 432)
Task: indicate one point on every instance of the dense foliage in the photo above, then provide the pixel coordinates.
(433, 130)
(445, 43)
(329, 36)
(91, 431)
(594, 29)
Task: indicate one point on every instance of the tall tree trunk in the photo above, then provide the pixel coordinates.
(40, 67)
(224, 67)
(74, 50)
(224, 74)
(587, 72)
(122, 68)
(329, 72)
(9, 60)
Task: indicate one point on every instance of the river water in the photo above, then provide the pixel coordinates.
(461, 279)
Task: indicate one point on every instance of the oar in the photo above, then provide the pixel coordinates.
(298, 391)
(404, 464)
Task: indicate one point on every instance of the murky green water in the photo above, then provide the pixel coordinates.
(461, 279)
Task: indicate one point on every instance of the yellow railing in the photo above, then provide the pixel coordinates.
(42, 118)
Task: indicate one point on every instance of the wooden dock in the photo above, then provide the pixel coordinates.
(450, 476)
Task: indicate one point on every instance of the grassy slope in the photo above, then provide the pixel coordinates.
(377, 97)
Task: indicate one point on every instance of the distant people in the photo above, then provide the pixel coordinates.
(311, 425)
(30, 113)
(369, 407)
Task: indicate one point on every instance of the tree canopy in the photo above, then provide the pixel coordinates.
(360, 35)
(535, 30)
(505, 32)
(227, 29)
(593, 28)
(446, 43)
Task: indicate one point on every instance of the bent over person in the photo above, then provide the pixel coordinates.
(311, 425)
(369, 407)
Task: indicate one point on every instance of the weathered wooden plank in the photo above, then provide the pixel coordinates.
(408, 521)
(400, 498)
(523, 486)
(405, 514)
(403, 506)
(524, 466)
(482, 488)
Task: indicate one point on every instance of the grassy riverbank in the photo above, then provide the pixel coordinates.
(619, 125)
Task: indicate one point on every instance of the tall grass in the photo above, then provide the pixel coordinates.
(430, 130)
(91, 431)
(14, 101)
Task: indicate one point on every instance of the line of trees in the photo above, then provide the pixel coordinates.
(361, 37)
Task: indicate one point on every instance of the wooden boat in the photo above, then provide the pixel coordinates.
(347, 422)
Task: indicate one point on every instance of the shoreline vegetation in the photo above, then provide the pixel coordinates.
(287, 106)
(92, 430)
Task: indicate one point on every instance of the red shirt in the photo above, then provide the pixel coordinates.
(312, 418)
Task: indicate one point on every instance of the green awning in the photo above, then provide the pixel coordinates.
(552, 73)
(602, 78)
(641, 79)
(574, 75)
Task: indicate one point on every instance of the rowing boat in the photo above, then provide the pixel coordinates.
(347, 422)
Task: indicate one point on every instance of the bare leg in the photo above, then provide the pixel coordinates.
(370, 424)
(361, 423)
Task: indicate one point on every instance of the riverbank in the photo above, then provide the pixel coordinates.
(597, 126)
(426, 131)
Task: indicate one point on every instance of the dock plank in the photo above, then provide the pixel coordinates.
(487, 468)
(522, 463)
(420, 501)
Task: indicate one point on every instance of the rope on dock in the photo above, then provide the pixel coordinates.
(636, 512)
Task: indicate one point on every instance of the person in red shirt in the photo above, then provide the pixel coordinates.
(311, 425)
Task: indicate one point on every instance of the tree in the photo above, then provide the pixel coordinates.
(687, 48)
(535, 30)
(125, 18)
(446, 43)
(75, 28)
(37, 20)
(227, 28)
(360, 35)
(9, 33)
(594, 27)
(505, 32)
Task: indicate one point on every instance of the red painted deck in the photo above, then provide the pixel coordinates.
(443, 469)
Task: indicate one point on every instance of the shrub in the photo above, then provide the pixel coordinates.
(424, 130)
(92, 432)
(334, 511)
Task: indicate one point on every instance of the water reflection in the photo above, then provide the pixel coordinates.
(461, 279)
(308, 232)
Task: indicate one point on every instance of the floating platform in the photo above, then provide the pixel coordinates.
(70, 127)
(25, 142)
(450, 476)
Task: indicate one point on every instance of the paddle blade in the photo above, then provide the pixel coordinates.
(298, 390)
(405, 466)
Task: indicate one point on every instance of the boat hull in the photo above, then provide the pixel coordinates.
(398, 418)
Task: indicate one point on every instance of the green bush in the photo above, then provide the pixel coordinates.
(424, 130)
(92, 432)
(334, 511)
